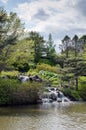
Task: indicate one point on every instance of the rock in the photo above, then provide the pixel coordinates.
(37, 78)
(46, 95)
(50, 100)
(60, 94)
(59, 100)
(23, 78)
(44, 100)
(53, 96)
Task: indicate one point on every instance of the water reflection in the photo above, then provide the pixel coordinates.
(55, 116)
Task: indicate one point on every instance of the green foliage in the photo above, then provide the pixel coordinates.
(39, 46)
(46, 67)
(73, 68)
(12, 92)
(82, 80)
(50, 77)
(82, 87)
(3, 19)
(21, 66)
(45, 61)
(20, 56)
(9, 74)
(50, 47)
(6, 87)
(75, 94)
(82, 92)
(72, 94)
(32, 72)
(47, 74)
(10, 30)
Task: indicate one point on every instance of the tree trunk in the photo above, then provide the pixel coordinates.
(76, 83)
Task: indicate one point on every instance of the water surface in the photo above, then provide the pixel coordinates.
(54, 116)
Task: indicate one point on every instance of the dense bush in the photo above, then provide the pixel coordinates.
(46, 67)
(48, 76)
(32, 72)
(72, 94)
(45, 61)
(82, 87)
(9, 74)
(12, 92)
(21, 66)
(51, 77)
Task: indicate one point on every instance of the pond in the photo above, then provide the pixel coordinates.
(47, 116)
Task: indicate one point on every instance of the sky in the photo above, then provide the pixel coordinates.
(58, 17)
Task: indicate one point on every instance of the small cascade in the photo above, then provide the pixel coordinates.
(53, 95)
(50, 95)
(23, 78)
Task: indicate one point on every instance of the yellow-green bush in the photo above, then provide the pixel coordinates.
(32, 72)
(46, 67)
(82, 87)
(82, 80)
(9, 74)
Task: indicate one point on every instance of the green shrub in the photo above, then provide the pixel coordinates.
(51, 77)
(72, 94)
(9, 74)
(32, 72)
(82, 91)
(13, 92)
(75, 94)
(21, 66)
(82, 87)
(46, 67)
(6, 89)
(45, 61)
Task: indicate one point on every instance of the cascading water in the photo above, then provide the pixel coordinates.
(50, 95)
(53, 95)
(23, 78)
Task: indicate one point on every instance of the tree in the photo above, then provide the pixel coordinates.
(66, 45)
(10, 30)
(19, 56)
(83, 38)
(38, 45)
(50, 49)
(14, 29)
(75, 41)
(3, 19)
(73, 69)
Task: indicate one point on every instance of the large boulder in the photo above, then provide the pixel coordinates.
(53, 96)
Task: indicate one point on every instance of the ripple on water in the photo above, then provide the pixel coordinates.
(53, 116)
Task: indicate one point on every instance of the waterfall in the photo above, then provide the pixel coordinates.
(23, 78)
(53, 95)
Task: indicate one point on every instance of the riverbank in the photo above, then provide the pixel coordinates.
(14, 92)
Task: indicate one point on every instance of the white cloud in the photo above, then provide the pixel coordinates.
(63, 17)
(4, 1)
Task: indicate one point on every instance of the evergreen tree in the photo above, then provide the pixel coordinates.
(51, 53)
(75, 41)
(66, 45)
(39, 46)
